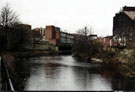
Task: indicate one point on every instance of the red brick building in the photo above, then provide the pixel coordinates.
(55, 36)
(50, 34)
(107, 41)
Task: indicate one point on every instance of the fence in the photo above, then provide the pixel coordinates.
(6, 78)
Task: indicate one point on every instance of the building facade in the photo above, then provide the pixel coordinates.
(124, 25)
(92, 37)
(55, 36)
(106, 41)
(40, 31)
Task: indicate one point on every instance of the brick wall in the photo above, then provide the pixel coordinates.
(50, 32)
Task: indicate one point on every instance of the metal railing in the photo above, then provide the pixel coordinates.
(6, 78)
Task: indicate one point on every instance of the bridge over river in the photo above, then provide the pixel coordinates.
(65, 73)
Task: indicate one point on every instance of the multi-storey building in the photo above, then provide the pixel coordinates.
(55, 36)
(124, 25)
(66, 38)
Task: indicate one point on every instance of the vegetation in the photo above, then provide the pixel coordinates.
(11, 33)
(82, 46)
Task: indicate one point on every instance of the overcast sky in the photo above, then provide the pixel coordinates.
(69, 15)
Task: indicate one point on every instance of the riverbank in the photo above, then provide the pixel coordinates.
(126, 71)
(123, 60)
(28, 54)
(123, 70)
(126, 58)
(36, 53)
(82, 56)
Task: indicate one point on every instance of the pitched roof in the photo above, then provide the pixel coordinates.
(130, 11)
(128, 8)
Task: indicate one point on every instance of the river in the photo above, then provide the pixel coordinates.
(66, 73)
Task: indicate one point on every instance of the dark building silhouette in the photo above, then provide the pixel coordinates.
(125, 19)
(124, 24)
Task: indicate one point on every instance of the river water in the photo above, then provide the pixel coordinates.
(66, 73)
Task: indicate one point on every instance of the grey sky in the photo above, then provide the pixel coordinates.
(70, 15)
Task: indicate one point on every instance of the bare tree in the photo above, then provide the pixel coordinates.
(8, 17)
(82, 46)
(14, 34)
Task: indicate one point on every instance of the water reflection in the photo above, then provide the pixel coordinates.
(65, 73)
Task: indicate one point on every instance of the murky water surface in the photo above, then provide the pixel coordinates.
(66, 73)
